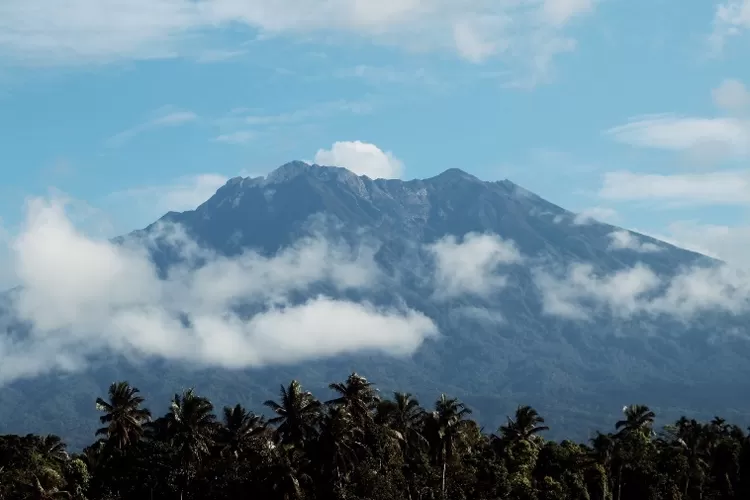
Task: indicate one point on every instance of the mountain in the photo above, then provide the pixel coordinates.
(520, 342)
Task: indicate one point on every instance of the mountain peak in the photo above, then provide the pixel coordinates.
(453, 175)
(288, 171)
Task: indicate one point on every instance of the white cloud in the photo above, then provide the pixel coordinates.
(387, 75)
(85, 298)
(705, 141)
(186, 193)
(242, 125)
(559, 12)
(164, 117)
(470, 266)
(474, 37)
(727, 243)
(594, 214)
(580, 292)
(731, 96)
(625, 240)
(237, 137)
(580, 289)
(682, 133)
(714, 188)
(362, 158)
(731, 18)
(84, 31)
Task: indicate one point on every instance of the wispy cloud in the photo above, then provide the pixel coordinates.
(164, 117)
(679, 190)
(706, 141)
(681, 133)
(185, 193)
(731, 19)
(218, 55)
(237, 137)
(241, 125)
(625, 240)
(44, 32)
(380, 75)
(725, 242)
(594, 214)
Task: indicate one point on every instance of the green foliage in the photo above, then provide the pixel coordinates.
(359, 446)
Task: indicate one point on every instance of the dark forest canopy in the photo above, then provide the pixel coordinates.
(362, 445)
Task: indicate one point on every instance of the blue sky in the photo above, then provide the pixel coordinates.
(632, 111)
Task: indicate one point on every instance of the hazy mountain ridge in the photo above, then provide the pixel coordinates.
(494, 351)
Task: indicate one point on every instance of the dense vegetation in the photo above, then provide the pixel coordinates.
(362, 446)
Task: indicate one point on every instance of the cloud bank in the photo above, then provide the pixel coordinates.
(580, 292)
(48, 32)
(84, 298)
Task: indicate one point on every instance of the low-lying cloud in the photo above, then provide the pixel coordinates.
(469, 267)
(625, 240)
(84, 298)
(580, 291)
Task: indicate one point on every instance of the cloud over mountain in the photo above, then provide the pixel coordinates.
(84, 297)
(362, 158)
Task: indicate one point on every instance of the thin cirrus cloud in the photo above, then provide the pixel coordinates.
(678, 190)
(710, 140)
(162, 118)
(185, 193)
(108, 299)
(672, 132)
(241, 126)
(47, 32)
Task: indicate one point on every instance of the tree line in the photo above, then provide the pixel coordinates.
(360, 445)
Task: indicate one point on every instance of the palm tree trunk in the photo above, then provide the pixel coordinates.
(619, 482)
(444, 464)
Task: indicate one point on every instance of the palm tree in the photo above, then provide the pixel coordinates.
(691, 438)
(444, 428)
(123, 415)
(191, 426)
(285, 476)
(340, 443)
(52, 449)
(39, 492)
(297, 414)
(358, 396)
(239, 429)
(639, 419)
(403, 416)
(525, 426)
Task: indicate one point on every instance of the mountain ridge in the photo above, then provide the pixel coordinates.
(495, 351)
